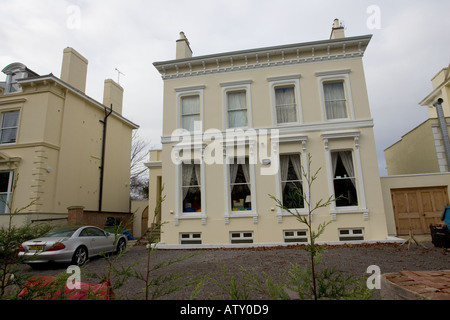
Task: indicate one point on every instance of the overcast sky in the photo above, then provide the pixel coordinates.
(410, 44)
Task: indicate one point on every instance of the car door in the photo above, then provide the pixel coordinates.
(101, 241)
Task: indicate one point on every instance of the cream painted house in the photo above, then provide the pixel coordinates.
(423, 149)
(238, 127)
(62, 147)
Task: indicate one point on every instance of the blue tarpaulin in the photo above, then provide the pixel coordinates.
(446, 216)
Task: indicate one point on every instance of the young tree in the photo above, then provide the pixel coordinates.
(312, 247)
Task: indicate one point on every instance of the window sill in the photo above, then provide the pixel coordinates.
(283, 213)
(190, 216)
(241, 214)
(349, 210)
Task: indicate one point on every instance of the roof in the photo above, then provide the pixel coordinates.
(51, 77)
(304, 52)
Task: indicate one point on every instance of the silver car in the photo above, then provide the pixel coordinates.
(71, 244)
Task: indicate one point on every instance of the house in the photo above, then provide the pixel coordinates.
(58, 146)
(240, 126)
(416, 189)
(423, 149)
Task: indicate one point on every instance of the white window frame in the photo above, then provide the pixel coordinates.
(351, 234)
(230, 157)
(362, 206)
(9, 192)
(285, 81)
(191, 238)
(236, 86)
(187, 92)
(302, 140)
(242, 237)
(336, 76)
(197, 158)
(300, 236)
(9, 128)
(300, 180)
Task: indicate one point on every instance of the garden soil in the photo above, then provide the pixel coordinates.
(223, 265)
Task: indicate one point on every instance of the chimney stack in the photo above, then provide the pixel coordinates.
(338, 30)
(74, 69)
(183, 48)
(113, 95)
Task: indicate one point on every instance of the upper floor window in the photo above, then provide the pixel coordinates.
(335, 101)
(8, 130)
(286, 107)
(237, 109)
(190, 111)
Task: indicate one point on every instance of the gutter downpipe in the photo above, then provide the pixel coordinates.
(102, 165)
(444, 131)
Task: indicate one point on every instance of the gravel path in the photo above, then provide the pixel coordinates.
(347, 259)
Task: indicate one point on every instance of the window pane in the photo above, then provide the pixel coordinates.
(190, 112)
(240, 186)
(4, 181)
(335, 102)
(285, 105)
(290, 168)
(344, 180)
(9, 127)
(237, 109)
(191, 191)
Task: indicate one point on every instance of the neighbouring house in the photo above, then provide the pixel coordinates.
(58, 146)
(422, 150)
(239, 126)
(416, 189)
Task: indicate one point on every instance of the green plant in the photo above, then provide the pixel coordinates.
(11, 238)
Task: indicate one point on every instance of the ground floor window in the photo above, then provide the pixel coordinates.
(344, 178)
(291, 182)
(241, 237)
(6, 186)
(191, 188)
(351, 234)
(240, 186)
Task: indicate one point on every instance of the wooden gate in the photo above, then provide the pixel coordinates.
(416, 209)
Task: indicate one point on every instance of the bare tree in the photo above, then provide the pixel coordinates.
(138, 171)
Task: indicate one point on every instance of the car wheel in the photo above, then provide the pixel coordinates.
(121, 245)
(80, 256)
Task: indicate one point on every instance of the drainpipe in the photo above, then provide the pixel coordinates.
(102, 165)
(444, 131)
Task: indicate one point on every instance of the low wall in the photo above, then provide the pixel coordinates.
(24, 219)
(408, 181)
(78, 216)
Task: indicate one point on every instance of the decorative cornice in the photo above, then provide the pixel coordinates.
(301, 53)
